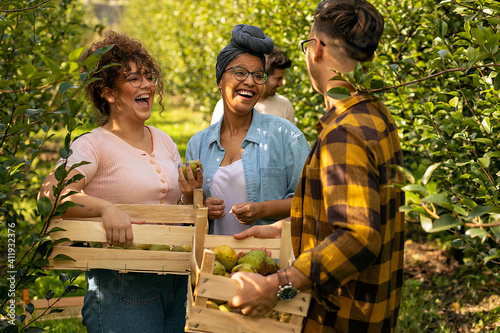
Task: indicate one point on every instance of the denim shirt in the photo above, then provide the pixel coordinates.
(274, 152)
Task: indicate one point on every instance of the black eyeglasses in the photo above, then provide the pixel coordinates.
(303, 44)
(135, 79)
(241, 74)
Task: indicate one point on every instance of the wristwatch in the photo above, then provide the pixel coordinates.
(286, 291)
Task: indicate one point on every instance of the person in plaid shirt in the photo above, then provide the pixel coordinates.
(347, 232)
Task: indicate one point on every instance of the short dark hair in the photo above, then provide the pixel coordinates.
(277, 59)
(356, 24)
(124, 49)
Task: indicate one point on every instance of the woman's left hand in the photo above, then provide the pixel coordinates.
(247, 212)
(188, 185)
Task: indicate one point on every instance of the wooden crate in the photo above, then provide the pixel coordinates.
(156, 231)
(199, 318)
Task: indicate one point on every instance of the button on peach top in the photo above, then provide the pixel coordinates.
(123, 174)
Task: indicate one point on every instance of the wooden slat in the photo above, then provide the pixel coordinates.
(201, 227)
(286, 253)
(223, 288)
(62, 303)
(215, 321)
(207, 267)
(154, 213)
(143, 233)
(121, 260)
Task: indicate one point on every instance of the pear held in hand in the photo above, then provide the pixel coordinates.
(194, 165)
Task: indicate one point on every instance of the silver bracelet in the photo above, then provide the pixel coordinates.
(182, 200)
(106, 208)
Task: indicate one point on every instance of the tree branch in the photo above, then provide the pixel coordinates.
(23, 9)
(434, 75)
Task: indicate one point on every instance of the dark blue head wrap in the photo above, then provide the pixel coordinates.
(244, 39)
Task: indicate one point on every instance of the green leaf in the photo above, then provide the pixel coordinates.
(478, 34)
(443, 28)
(56, 310)
(44, 206)
(495, 254)
(405, 172)
(75, 54)
(484, 141)
(61, 256)
(29, 308)
(486, 124)
(484, 161)
(428, 173)
(437, 199)
(61, 172)
(496, 82)
(65, 86)
(415, 188)
(425, 222)
(339, 93)
(443, 53)
(102, 50)
(478, 211)
(457, 242)
(49, 295)
(445, 222)
(62, 208)
(477, 232)
(358, 73)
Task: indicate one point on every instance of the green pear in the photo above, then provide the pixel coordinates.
(226, 308)
(194, 165)
(179, 248)
(219, 268)
(245, 267)
(262, 263)
(212, 305)
(159, 247)
(226, 255)
(145, 246)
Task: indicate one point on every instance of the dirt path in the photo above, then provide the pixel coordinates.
(462, 305)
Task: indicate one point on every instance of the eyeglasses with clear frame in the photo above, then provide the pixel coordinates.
(241, 74)
(136, 79)
(303, 44)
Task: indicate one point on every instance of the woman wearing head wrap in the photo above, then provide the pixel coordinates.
(251, 161)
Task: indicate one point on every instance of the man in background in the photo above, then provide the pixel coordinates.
(270, 102)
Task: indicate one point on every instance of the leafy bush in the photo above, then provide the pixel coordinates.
(38, 95)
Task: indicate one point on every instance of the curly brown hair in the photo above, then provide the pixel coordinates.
(124, 50)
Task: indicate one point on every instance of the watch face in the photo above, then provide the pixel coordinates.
(288, 292)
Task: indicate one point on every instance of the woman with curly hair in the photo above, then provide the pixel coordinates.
(130, 163)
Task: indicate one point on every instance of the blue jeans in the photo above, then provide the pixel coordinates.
(134, 302)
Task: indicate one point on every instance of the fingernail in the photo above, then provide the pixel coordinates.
(179, 166)
(187, 163)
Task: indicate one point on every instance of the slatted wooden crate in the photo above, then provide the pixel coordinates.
(166, 225)
(203, 319)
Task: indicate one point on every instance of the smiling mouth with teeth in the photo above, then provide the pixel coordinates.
(245, 93)
(143, 100)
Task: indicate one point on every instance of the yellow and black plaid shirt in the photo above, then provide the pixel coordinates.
(347, 232)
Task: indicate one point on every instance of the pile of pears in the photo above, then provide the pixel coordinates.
(257, 261)
(254, 261)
